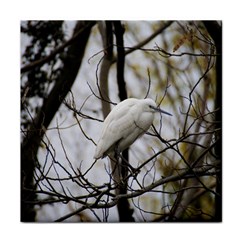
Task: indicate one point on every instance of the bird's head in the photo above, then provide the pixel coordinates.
(149, 105)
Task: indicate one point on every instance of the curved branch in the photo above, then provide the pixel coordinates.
(145, 41)
(115, 200)
(107, 38)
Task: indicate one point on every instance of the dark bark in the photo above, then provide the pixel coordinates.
(106, 29)
(31, 142)
(119, 31)
(215, 31)
(124, 210)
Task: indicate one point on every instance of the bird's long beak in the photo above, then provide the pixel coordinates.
(162, 111)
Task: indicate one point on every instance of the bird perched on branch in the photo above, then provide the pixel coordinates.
(127, 121)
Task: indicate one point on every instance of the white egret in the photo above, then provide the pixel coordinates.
(124, 124)
(127, 121)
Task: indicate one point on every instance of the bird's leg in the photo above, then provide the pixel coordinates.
(117, 154)
(124, 162)
(117, 166)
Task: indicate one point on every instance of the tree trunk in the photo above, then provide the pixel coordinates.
(215, 31)
(32, 139)
(124, 210)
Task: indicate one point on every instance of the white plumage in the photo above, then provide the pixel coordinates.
(125, 123)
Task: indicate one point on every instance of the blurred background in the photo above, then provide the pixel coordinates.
(72, 74)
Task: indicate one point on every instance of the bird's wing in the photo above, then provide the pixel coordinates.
(118, 125)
